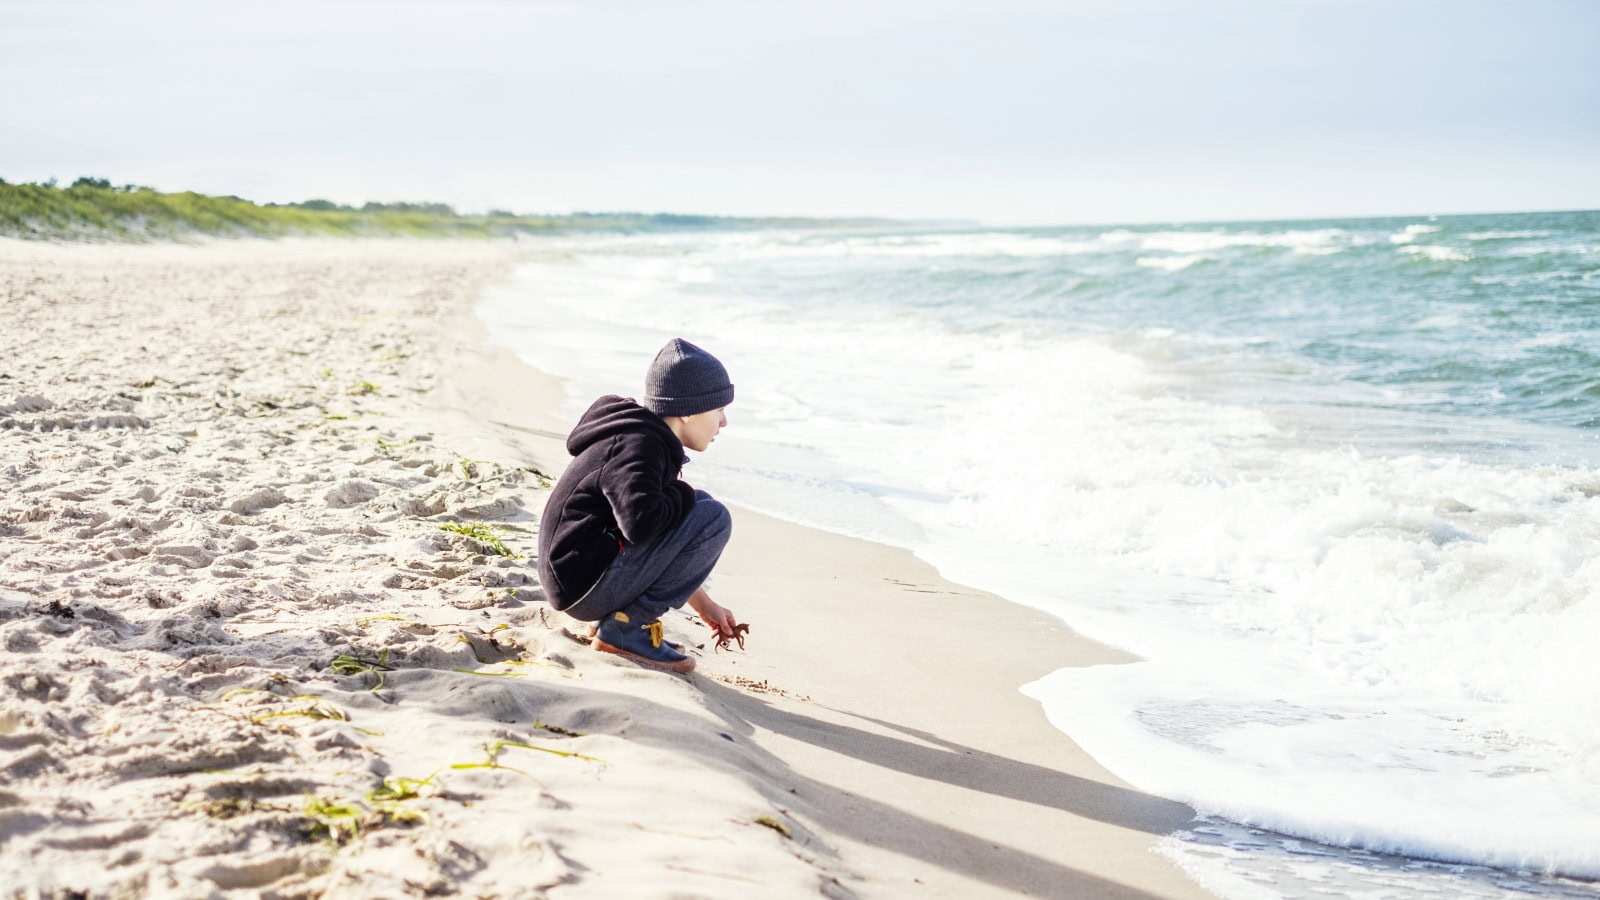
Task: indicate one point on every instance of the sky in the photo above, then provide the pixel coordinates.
(1011, 112)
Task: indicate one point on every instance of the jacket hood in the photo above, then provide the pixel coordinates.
(612, 415)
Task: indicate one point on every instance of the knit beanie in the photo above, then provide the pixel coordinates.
(685, 381)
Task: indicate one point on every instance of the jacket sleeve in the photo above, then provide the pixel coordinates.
(643, 501)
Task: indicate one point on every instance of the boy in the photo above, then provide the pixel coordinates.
(623, 539)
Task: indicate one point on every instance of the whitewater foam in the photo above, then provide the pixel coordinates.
(1171, 263)
(1310, 241)
(1437, 254)
(1410, 233)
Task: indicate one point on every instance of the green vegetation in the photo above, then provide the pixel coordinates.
(775, 825)
(370, 670)
(341, 822)
(319, 711)
(486, 535)
(494, 749)
(95, 209)
(364, 621)
(557, 729)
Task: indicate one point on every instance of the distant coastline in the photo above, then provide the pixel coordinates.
(94, 209)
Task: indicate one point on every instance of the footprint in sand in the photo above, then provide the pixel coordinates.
(257, 500)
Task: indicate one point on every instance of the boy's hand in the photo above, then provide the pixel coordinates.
(719, 618)
(716, 616)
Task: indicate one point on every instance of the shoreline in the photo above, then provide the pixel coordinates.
(198, 529)
(892, 758)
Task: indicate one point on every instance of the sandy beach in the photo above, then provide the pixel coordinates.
(241, 656)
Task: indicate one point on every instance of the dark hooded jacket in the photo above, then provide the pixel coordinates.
(621, 489)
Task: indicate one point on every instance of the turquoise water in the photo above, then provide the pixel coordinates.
(1493, 316)
(1336, 483)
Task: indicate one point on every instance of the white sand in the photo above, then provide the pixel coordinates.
(225, 465)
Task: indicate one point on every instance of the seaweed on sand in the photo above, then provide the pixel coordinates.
(342, 821)
(318, 709)
(369, 669)
(487, 535)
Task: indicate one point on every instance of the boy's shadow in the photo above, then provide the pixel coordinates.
(884, 825)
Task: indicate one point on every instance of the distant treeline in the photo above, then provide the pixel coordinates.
(96, 209)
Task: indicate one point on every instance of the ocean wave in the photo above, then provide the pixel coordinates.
(1436, 253)
(1427, 614)
(1505, 235)
(996, 244)
(1314, 241)
(1543, 249)
(1172, 263)
(1234, 861)
(1411, 232)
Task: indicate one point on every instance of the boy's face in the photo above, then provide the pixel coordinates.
(698, 431)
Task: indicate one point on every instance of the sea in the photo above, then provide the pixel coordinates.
(1335, 483)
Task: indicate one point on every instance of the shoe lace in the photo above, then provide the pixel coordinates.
(655, 632)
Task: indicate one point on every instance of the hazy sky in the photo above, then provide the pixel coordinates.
(1007, 111)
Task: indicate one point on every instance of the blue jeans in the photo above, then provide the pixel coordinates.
(648, 579)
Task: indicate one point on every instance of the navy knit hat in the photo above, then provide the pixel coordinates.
(685, 381)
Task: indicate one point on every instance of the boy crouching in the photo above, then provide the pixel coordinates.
(623, 538)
